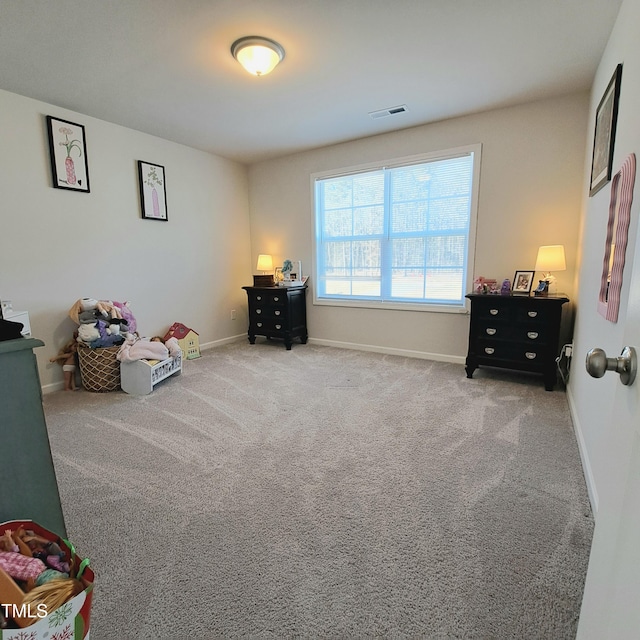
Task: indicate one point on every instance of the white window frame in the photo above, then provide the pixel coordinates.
(476, 150)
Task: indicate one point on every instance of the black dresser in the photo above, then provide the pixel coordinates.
(515, 332)
(277, 312)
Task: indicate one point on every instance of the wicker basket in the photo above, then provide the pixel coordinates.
(99, 368)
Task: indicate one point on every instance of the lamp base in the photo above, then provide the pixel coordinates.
(263, 281)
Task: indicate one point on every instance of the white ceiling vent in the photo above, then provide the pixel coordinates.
(391, 111)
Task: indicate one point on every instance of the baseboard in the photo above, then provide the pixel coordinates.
(218, 343)
(407, 353)
(54, 386)
(584, 456)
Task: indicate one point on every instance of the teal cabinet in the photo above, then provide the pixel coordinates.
(28, 485)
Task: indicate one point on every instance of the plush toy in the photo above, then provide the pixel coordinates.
(125, 314)
(88, 317)
(119, 327)
(87, 333)
(104, 308)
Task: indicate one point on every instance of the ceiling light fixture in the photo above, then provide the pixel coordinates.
(257, 55)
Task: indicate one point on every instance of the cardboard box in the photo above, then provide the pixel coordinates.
(69, 621)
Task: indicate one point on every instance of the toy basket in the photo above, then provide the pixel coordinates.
(99, 368)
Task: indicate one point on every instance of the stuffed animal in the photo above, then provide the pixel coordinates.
(119, 327)
(88, 317)
(104, 308)
(125, 314)
(87, 333)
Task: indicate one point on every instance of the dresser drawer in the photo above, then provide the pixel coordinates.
(511, 354)
(531, 314)
(493, 308)
(267, 324)
(529, 333)
(268, 298)
(266, 311)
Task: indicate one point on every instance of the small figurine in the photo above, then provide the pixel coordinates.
(67, 358)
(287, 268)
(505, 290)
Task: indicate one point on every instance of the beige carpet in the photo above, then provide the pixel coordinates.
(325, 493)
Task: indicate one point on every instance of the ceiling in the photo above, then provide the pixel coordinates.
(164, 66)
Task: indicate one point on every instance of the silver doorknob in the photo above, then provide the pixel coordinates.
(626, 364)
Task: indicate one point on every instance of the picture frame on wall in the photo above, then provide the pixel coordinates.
(522, 282)
(153, 191)
(605, 134)
(68, 152)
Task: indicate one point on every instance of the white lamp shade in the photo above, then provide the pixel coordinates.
(257, 55)
(265, 262)
(551, 258)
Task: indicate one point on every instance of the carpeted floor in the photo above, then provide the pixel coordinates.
(325, 493)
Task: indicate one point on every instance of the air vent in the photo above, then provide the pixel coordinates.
(391, 111)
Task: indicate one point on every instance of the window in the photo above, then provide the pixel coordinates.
(400, 235)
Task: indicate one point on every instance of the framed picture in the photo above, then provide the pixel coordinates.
(68, 150)
(153, 191)
(522, 282)
(605, 134)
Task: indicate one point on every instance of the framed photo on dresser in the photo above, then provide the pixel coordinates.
(522, 282)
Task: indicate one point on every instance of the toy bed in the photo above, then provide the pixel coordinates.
(140, 376)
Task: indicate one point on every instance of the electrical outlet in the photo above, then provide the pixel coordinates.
(233, 314)
(568, 350)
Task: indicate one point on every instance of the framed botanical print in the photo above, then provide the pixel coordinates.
(68, 149)
(153, 191)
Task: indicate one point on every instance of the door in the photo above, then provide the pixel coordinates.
(611, 605)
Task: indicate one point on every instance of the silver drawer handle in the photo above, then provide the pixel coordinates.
(532, 334)
(258, 310)
(258, 297)
(532, 314)
(489, 350)
(278, 326)
(277, 313)
(493, 312)
(490, 331)
(530, 355)
(259, 324)
(276, 299)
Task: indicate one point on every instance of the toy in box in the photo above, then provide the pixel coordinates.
(188, 340)
(45, 588)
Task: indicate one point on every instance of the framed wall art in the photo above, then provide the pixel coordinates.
(605, 134)
(68, 149)
(153, 191)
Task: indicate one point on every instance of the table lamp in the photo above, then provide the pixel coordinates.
(550, 258)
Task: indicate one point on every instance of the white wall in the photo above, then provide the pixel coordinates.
(57, 246)
(530, 195)
(607, 446)
(592, 399)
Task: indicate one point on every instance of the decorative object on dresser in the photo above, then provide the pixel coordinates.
(515, 332)
(277, 312)
(522, 282)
